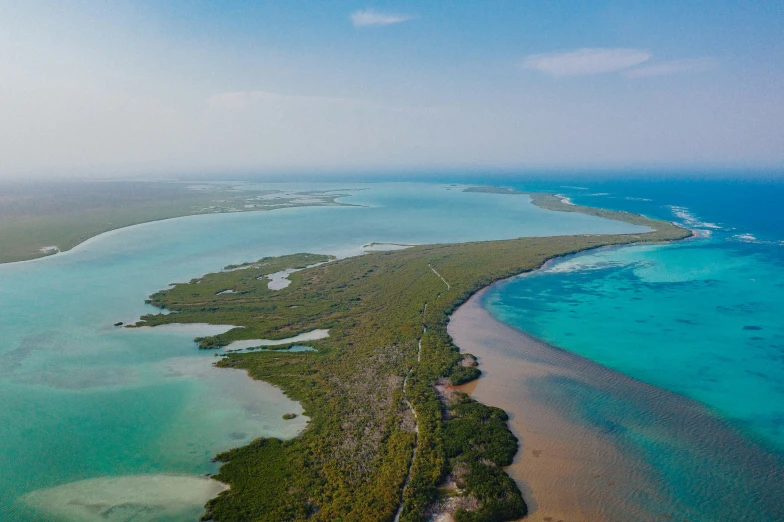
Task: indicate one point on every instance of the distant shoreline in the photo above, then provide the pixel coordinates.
(33, 227)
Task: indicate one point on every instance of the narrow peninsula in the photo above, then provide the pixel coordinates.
(389, 437)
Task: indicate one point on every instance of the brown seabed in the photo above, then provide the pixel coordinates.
(572, 470)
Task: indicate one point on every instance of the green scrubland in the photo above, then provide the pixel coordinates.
(355, 461)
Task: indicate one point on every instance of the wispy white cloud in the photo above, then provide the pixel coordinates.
(671, 67)
(368, 17)
(586, 61)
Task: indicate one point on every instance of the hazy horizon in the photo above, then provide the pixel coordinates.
(245, 89)
(472, 177)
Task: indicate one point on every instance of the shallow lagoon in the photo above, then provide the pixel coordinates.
(86, 400)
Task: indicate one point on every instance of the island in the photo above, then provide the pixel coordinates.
(389, 436)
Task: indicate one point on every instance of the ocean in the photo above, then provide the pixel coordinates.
(701, 318)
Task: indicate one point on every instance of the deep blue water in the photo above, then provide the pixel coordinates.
(741, 205)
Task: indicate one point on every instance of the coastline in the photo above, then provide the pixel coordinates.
(466, 268)
(448, 260)
(60, 254)
(555, 455)
(572, 466)
(81, 238)
(545, 201)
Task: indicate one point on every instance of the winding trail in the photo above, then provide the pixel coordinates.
(416, 420)
(416, 446)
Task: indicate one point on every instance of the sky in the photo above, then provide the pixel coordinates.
(176, 88)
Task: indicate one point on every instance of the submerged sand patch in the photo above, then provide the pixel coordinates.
(280, 280)
(200, 329)
(124, 498)
(313, 335)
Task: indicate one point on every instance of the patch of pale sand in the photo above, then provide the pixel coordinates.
(384, 247)
(280, 280)
(313, 335)
(197, 329)
(123, 498)
(306, 201)
(566, 471)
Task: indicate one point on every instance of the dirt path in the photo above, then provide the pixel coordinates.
(416, 421)
(439, 275)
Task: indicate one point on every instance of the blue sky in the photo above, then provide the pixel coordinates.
(171, 88)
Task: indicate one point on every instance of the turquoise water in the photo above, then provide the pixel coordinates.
(701, 318)
(84, 400)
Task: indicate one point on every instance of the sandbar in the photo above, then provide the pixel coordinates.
(130, 497)
(313, 335)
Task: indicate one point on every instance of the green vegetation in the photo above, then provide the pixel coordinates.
(463, 374)
(552, 202)
(289, 416)
(204, 297)
(477, 434)
(352, 461)
(39, 219)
